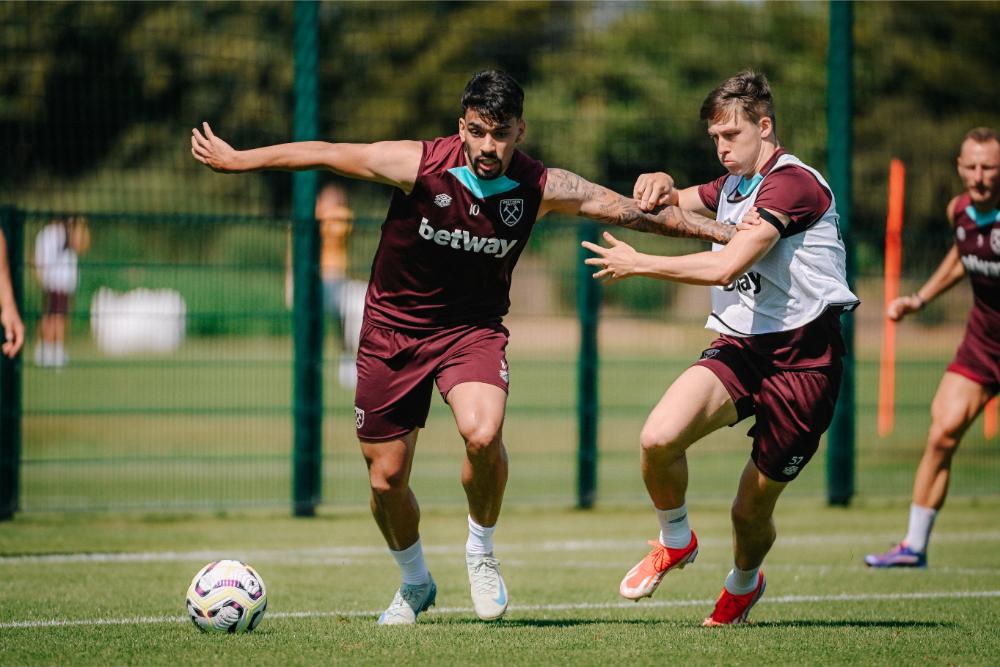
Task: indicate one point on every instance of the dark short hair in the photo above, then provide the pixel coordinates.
(748, 91)
(981, 135)
(496, 95)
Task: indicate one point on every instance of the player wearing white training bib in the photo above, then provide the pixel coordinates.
(797, 280)
(778, 289)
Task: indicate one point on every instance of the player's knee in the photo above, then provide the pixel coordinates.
(386, 480)
(482, 441)
(943, 442)
(660, 442)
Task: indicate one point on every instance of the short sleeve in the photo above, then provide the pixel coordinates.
(709, 192)
(797, 193)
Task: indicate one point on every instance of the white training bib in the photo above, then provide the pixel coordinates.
(794, 283)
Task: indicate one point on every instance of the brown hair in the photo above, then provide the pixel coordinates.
(748, 91)
(981, 135)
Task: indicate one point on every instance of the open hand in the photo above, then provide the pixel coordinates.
(212, 151)
(615, 262)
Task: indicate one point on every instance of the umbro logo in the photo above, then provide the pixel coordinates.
(442, 200)
(359, 417)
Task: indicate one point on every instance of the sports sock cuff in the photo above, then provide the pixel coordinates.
(412, 566)
(480, 540)
(919, 530)
(674, 529)
(741, 582)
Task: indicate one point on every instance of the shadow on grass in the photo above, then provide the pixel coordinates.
(847, 623)
(551, 622)
(637, 622)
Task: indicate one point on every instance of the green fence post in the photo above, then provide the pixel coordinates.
(840, 443)
(307, 458)
(588, 301)
(12, 225)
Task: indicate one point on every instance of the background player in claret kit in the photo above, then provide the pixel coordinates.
(778, 291)
(973, 377)
(461, 212)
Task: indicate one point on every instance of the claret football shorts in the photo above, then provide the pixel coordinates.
(397, 371)
(978, 356)
(790, 390)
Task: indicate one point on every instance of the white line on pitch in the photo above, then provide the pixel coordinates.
(569, 606)
(349, 552)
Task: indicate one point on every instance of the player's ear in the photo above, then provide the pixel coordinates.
(461, 127)
(766, 126)
(520, 130)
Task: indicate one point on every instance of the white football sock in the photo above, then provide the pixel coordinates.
(919, 532)
(411, 564)
(674, 529)
(741, 582)
(480, 542)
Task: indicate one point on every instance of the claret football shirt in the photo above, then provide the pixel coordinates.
(448, 248)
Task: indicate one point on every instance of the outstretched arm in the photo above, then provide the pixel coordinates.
(570, 194)
(394, 163)
(10, 319)
(620, 260)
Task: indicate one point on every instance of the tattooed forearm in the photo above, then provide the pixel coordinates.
(665, 221)
(578, 196)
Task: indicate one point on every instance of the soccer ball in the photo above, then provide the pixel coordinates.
(226, 596)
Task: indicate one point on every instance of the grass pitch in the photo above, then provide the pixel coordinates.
(109, 590)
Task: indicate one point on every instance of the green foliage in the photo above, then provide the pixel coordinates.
(97, 98)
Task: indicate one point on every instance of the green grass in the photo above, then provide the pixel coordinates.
(211, 427)
(108, 590)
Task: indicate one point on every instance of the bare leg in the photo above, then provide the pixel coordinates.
(752, 514)
(479, 413)
(393, 504)
(57, 330)
(957, 403)
(47, 329)
(696, 404)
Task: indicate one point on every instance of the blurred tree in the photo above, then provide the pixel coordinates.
(96, 99)
(923, 79)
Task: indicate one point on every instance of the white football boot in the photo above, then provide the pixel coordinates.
(489, 594)
(410, 600)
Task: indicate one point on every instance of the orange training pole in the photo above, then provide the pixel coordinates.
(990, 419)
(893, 259)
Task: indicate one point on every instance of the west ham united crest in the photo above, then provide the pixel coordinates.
(511, 211)
(995, 241)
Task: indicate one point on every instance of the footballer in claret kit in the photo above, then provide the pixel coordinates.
(462, 209)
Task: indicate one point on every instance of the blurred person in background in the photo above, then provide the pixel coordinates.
(973, 377)
(778, 290)
(10, 319)
(334, 217)
(57, 247)
(462, 210)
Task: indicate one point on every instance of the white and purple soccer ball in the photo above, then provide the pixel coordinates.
(226, 596)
